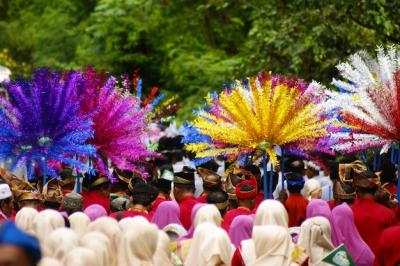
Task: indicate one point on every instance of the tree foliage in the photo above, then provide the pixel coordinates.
(194, 47)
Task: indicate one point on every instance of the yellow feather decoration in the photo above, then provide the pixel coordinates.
(258, 118)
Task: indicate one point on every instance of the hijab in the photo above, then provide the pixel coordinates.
(310, 187)
(138, 245)
(59, 243)
(80, 257)
(46, 222)
(79, 222)
(49, 262)
(163, 252)
(315, 238)
(203, 213)
(100, 244)
(273, 245)
(95, 211)
(24, 219)
(318, 207)
(360, 252)
(210, 246)
(167, 212)
(130, 222)
(271, 212)
(240, 229)
(109, 227)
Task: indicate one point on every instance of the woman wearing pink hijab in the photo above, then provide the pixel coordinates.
(318, 207)
(167, 212)
(95, 211)
(360, 252)
(240, 229)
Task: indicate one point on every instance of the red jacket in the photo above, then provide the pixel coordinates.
(389, 247)
(95, 197)
(232, 214)
(371, 219)
(186, 205)
(296, 206)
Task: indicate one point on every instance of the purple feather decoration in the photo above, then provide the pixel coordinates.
(40, 123)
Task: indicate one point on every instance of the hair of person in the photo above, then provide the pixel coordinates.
(254, 169)
(210, 165)
(294, 165)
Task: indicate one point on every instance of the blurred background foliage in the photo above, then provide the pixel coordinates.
(193, 47)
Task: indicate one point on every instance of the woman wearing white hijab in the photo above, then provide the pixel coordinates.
(312, 189)
(50, 262)
(100, 244)
(79, 222)
(163, 255)
(24, 219)
(46, 222)
(109, 227)
(273, 245)
(59, 243)
(211, 246)
(138, 245)
(315, 238)
(130, 222)
(270, 212)
(81, 257)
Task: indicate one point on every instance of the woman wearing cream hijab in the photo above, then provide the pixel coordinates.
(46, 222)
(315, 238)
(24, 219)
(210, 247)
(81, 257)
(130, 222)
(59, 243)
(312, 189)
(109, 227)
(273, 245)
(138, 245)
(163, 255)
(270, 212)
(100, 244)
(50, 262)
(79, 222)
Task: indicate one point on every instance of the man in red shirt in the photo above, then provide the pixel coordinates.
(164, 185)
(246, 192)
(371, 218)
(211, 182)
(98, 191)
(389, 247)
(143, 196)
(184, 194)
(296, 204)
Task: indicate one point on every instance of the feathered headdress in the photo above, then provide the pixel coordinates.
(368, 101)
(40, 123)
(259, 114)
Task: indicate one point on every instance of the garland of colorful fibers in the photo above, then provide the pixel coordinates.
(257, 117)
(368, 103)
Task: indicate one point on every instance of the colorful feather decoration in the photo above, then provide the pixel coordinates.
(40, 122)
(259, 115)
(120, 129)
(368, 102)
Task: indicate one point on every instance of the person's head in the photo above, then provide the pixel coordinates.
(366, 184)
(246, 192)
(240, 229)
(211, 180)
(98, 183)
(271, 212)
(95, 211)
(30, 199)
(52, 194)
(46, 222)
(211, 165)
(312, 169)
(72, 202)
(343, 192)
(59, 243)
(220, 199)
(67, 179)
(17, 247)
(24, 219)
(184, 183)
(295, 165)
(388, 173)
(79, 222)
(144, 194)
(120, 204)
(312, 189)
(6, 199)
(295, 182)
(100, 244)
(109, 227)
(167, 212)
(164, 186)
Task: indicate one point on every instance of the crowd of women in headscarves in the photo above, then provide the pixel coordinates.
(167, 221)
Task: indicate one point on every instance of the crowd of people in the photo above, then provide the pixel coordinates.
(213, 214)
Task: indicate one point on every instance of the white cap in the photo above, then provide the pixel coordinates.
(5, 191)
